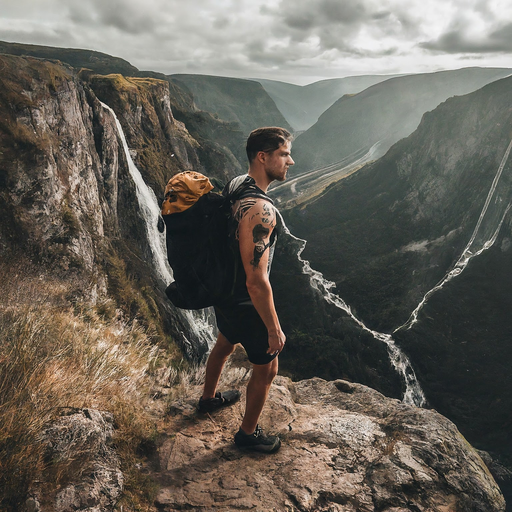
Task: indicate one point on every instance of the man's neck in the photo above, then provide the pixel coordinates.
(261, 179)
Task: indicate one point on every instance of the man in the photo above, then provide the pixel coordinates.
(250, 318)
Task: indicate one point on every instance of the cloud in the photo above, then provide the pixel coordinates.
(269, 38)
(458, 40)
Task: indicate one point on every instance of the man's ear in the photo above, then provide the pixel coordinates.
(261, 156)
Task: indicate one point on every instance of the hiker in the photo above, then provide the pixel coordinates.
(250, 318)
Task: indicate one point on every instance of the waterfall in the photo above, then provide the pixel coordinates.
(197, 321)
(413, 394)
(484, 235)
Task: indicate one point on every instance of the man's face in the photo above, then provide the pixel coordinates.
(277, 162)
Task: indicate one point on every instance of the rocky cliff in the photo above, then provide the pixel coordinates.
(345, 448)
(68, 200)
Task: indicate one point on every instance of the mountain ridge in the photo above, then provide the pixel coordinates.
(385, 113)
(303, 105)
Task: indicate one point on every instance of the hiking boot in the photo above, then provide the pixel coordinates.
(220, 400)
(257, 441)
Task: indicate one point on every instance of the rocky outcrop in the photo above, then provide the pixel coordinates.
(67, 199)
(82, 442)
(346, 448)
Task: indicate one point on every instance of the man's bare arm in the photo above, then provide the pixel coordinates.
(255, 230)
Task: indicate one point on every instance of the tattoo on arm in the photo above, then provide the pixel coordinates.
(259, 233)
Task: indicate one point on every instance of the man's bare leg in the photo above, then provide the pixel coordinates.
(257, 393)
(216, 360)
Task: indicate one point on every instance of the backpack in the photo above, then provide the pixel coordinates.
(201, 246)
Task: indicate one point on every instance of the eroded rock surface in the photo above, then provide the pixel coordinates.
(346, 448)
(94, 481)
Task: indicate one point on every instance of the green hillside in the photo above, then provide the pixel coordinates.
(99, 62)
(244, 102)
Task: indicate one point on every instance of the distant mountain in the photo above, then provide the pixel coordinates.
(387, 234)
(99, 62)
(384, 113)
(303, 105)
(235, 100)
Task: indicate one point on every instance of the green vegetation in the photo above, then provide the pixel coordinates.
(244, 102)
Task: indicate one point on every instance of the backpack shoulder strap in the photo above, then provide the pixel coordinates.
(242, 187)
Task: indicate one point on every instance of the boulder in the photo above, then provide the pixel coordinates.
(80, 442)
(345, 448)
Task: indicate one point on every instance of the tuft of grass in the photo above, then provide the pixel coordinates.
(56, 357)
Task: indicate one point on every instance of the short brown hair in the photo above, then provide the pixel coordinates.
(266, 139)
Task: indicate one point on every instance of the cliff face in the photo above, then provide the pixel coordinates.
(59, 195)
(68, 200)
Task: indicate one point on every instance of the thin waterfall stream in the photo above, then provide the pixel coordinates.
(413, 394)
(197, 321)
(484, 235)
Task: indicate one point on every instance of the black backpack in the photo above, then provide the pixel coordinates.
(201, 247)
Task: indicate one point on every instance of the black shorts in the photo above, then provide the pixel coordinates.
(242, 324)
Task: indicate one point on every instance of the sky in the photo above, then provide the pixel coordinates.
(296, 41)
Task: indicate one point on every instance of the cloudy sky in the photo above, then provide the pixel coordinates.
(297, 41)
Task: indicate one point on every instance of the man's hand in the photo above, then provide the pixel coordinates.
(276, 341)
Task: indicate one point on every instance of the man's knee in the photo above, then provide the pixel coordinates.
(266, 372)
(223, 346)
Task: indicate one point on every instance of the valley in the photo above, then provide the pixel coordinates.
(392, 270)
(309, 185)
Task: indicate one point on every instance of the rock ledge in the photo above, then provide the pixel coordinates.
(346, 448)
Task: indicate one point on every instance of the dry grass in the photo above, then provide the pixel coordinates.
(57, 355)
(54, 357)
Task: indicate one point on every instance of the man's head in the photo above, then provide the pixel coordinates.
(267, 140)
(269, 153)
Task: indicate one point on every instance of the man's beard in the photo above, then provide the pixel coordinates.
(277, 176)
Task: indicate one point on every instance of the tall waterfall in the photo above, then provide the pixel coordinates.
(197, 321)
(484, 235)
(413, 394)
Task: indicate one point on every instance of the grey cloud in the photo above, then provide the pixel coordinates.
(45, 37)
(342, 12)
(303, 14)
(221, 22)
(337, 23)
(381, 15)
(456, 41)
(126, 16)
